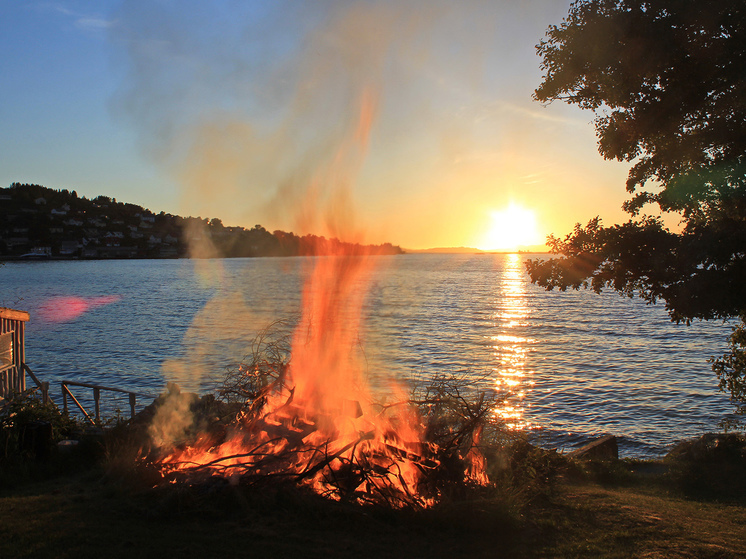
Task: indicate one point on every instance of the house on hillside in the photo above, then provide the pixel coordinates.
(168, 252)
(69, 248)
(117, 252)
(113, 238)
(14, 242)
(145, 218)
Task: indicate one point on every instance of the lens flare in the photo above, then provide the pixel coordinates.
(69, 308)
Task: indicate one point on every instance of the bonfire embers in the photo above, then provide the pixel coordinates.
(349, 454)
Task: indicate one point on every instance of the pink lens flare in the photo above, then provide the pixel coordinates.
(70, 307)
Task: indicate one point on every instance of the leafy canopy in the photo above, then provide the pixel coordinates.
(666, 80)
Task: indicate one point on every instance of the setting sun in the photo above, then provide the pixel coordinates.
(511, 228)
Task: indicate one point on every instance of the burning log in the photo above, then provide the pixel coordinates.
(305, 451)
(284, 441)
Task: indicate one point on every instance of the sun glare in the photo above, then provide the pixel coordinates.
(512, 228)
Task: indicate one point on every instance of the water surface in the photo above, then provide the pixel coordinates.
(575, 364)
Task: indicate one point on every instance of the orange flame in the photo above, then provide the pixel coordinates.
(322, 421)
(319, 426)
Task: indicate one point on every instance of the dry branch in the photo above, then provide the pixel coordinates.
(453, 413)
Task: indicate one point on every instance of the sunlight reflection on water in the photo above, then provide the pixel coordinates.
(512, 375)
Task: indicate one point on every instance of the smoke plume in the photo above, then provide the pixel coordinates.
(265, 111)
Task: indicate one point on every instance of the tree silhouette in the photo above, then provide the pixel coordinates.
(666, 81)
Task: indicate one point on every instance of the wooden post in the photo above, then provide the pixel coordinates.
(12, 379)
(97, 403)
(132, 404)
(21, 341)
(38, 383)
(45, 392)
(64, 398)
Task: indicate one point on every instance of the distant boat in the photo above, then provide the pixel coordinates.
(38, 253)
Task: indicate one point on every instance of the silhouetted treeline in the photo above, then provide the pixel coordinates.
(40, 222)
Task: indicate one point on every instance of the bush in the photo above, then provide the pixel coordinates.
(710, 467)
(25, 409)
(29, 431)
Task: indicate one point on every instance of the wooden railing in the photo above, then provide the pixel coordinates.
(67, 393)
(41, 386)
(13, 370)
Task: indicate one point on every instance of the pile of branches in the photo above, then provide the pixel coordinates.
(460, 422)
(454, 419)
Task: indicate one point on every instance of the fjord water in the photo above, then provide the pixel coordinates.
(574, 365)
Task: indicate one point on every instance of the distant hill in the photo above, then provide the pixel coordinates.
(445, 250)
(468, 250)
(40, 222)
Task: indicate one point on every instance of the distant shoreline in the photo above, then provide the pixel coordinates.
(12, 258)
(468, 250)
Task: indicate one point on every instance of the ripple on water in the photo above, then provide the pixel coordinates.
(574, 364)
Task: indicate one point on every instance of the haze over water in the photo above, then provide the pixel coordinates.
(575, 365)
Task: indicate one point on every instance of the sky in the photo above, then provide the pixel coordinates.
(406, 121)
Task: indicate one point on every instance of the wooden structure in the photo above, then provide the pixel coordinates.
(13, 367)
(12, 351)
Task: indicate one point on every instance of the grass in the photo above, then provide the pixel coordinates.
(594, 521)
(625, 514)
(93, 501)
(79, 517)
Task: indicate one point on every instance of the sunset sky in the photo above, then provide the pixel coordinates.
(403, 121)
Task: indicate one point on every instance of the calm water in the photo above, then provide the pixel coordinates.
(576, 364)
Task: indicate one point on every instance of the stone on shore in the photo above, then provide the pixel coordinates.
(604, 448)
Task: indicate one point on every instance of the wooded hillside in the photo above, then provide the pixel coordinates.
(40, 222)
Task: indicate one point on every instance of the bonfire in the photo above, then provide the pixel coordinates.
(304, 414)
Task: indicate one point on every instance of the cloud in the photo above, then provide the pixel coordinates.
(497, 109)
(93, 23)
(89, 22)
